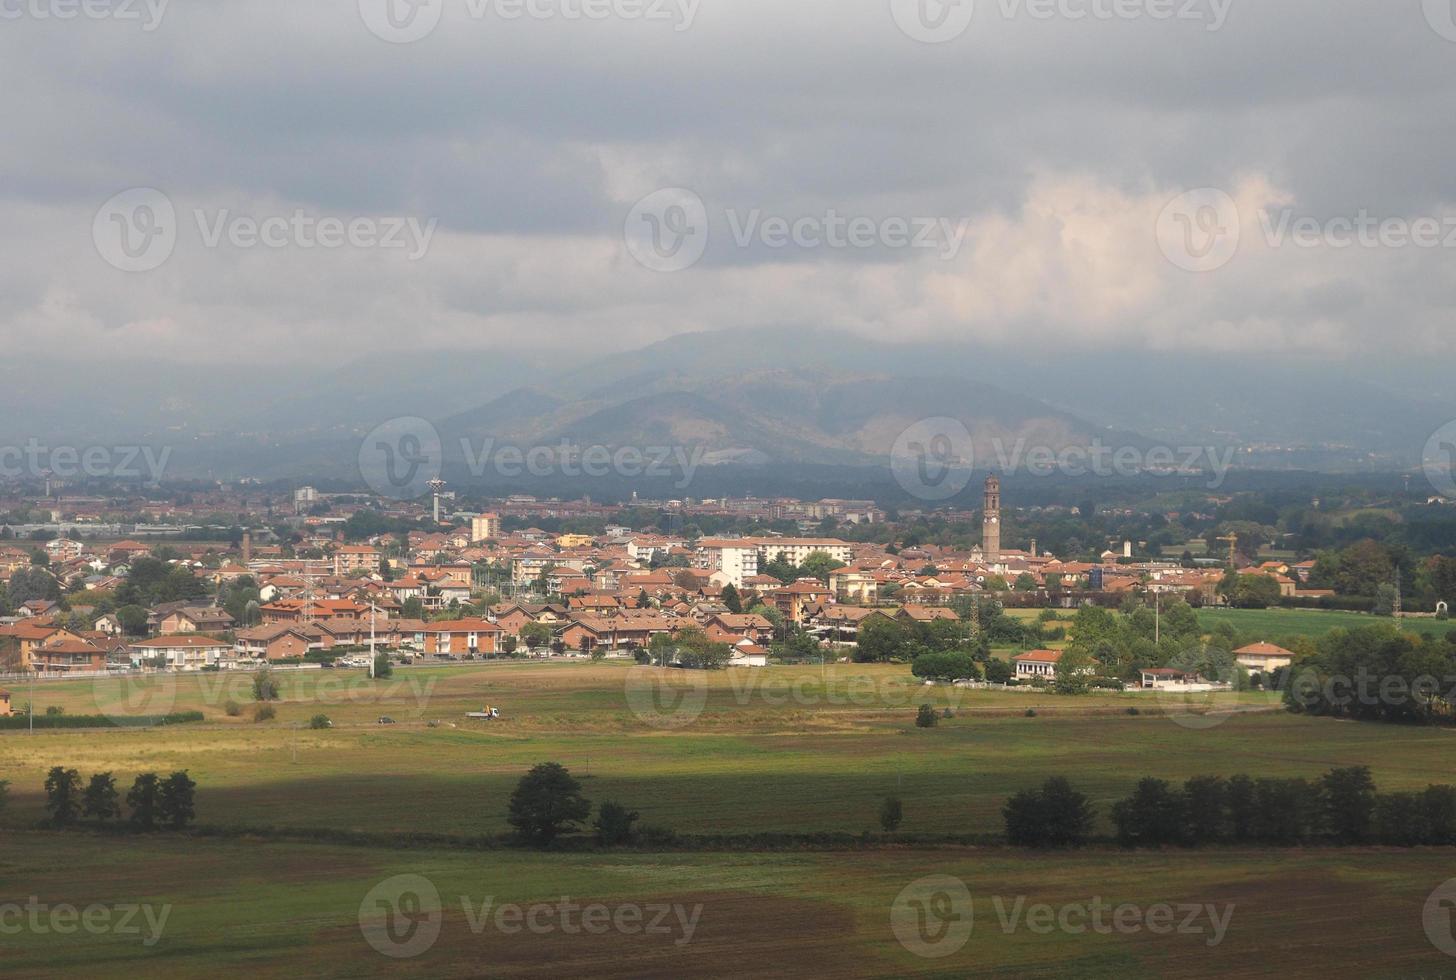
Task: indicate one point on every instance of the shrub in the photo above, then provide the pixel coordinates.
(264, 712)
(1155, 814)
(891, 813)
(233, 709)
(265, 686)
(382, 667)
(613, 824)
(925, 717)
(320, 721)
(1133, 712)
(55, 710)
(1031, 712)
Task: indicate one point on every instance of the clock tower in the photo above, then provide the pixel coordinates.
(991, 519)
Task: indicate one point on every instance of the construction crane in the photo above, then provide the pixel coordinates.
(1233, 542)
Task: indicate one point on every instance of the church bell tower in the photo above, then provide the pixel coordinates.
(991, 521)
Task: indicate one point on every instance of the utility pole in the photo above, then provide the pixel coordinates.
(1157, 617)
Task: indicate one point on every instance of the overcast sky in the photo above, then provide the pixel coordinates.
(1021, 175)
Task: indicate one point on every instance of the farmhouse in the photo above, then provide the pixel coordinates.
(1263, 657)
(1037, 663)
(5, 709)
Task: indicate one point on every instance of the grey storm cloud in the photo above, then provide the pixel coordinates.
(1046, 137)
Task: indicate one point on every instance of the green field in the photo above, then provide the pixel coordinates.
(1269, 624)
(784, 749)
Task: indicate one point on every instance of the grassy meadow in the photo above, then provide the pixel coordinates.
(780, 749)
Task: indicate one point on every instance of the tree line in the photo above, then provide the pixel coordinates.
(1342, 807)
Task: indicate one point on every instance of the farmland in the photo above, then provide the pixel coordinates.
(788, 750)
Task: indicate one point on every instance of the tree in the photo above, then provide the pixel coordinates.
(101, 801)
(1073, 671)
(63, 798)
(925, 717)
(1025, 582)
(998, 671)
(948, 666)
(880, 639)
(731, 599)
(508, 645)
(1155, 814)
(546, 803)
(891, 813)
(535, 635)
(175, 804)
(265, 686)
(613, 824)
(1207, 808)
(1348, 797)
(1054, 816)
(133, 620)
(818, 564)
(382, 666)
(142, 798)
